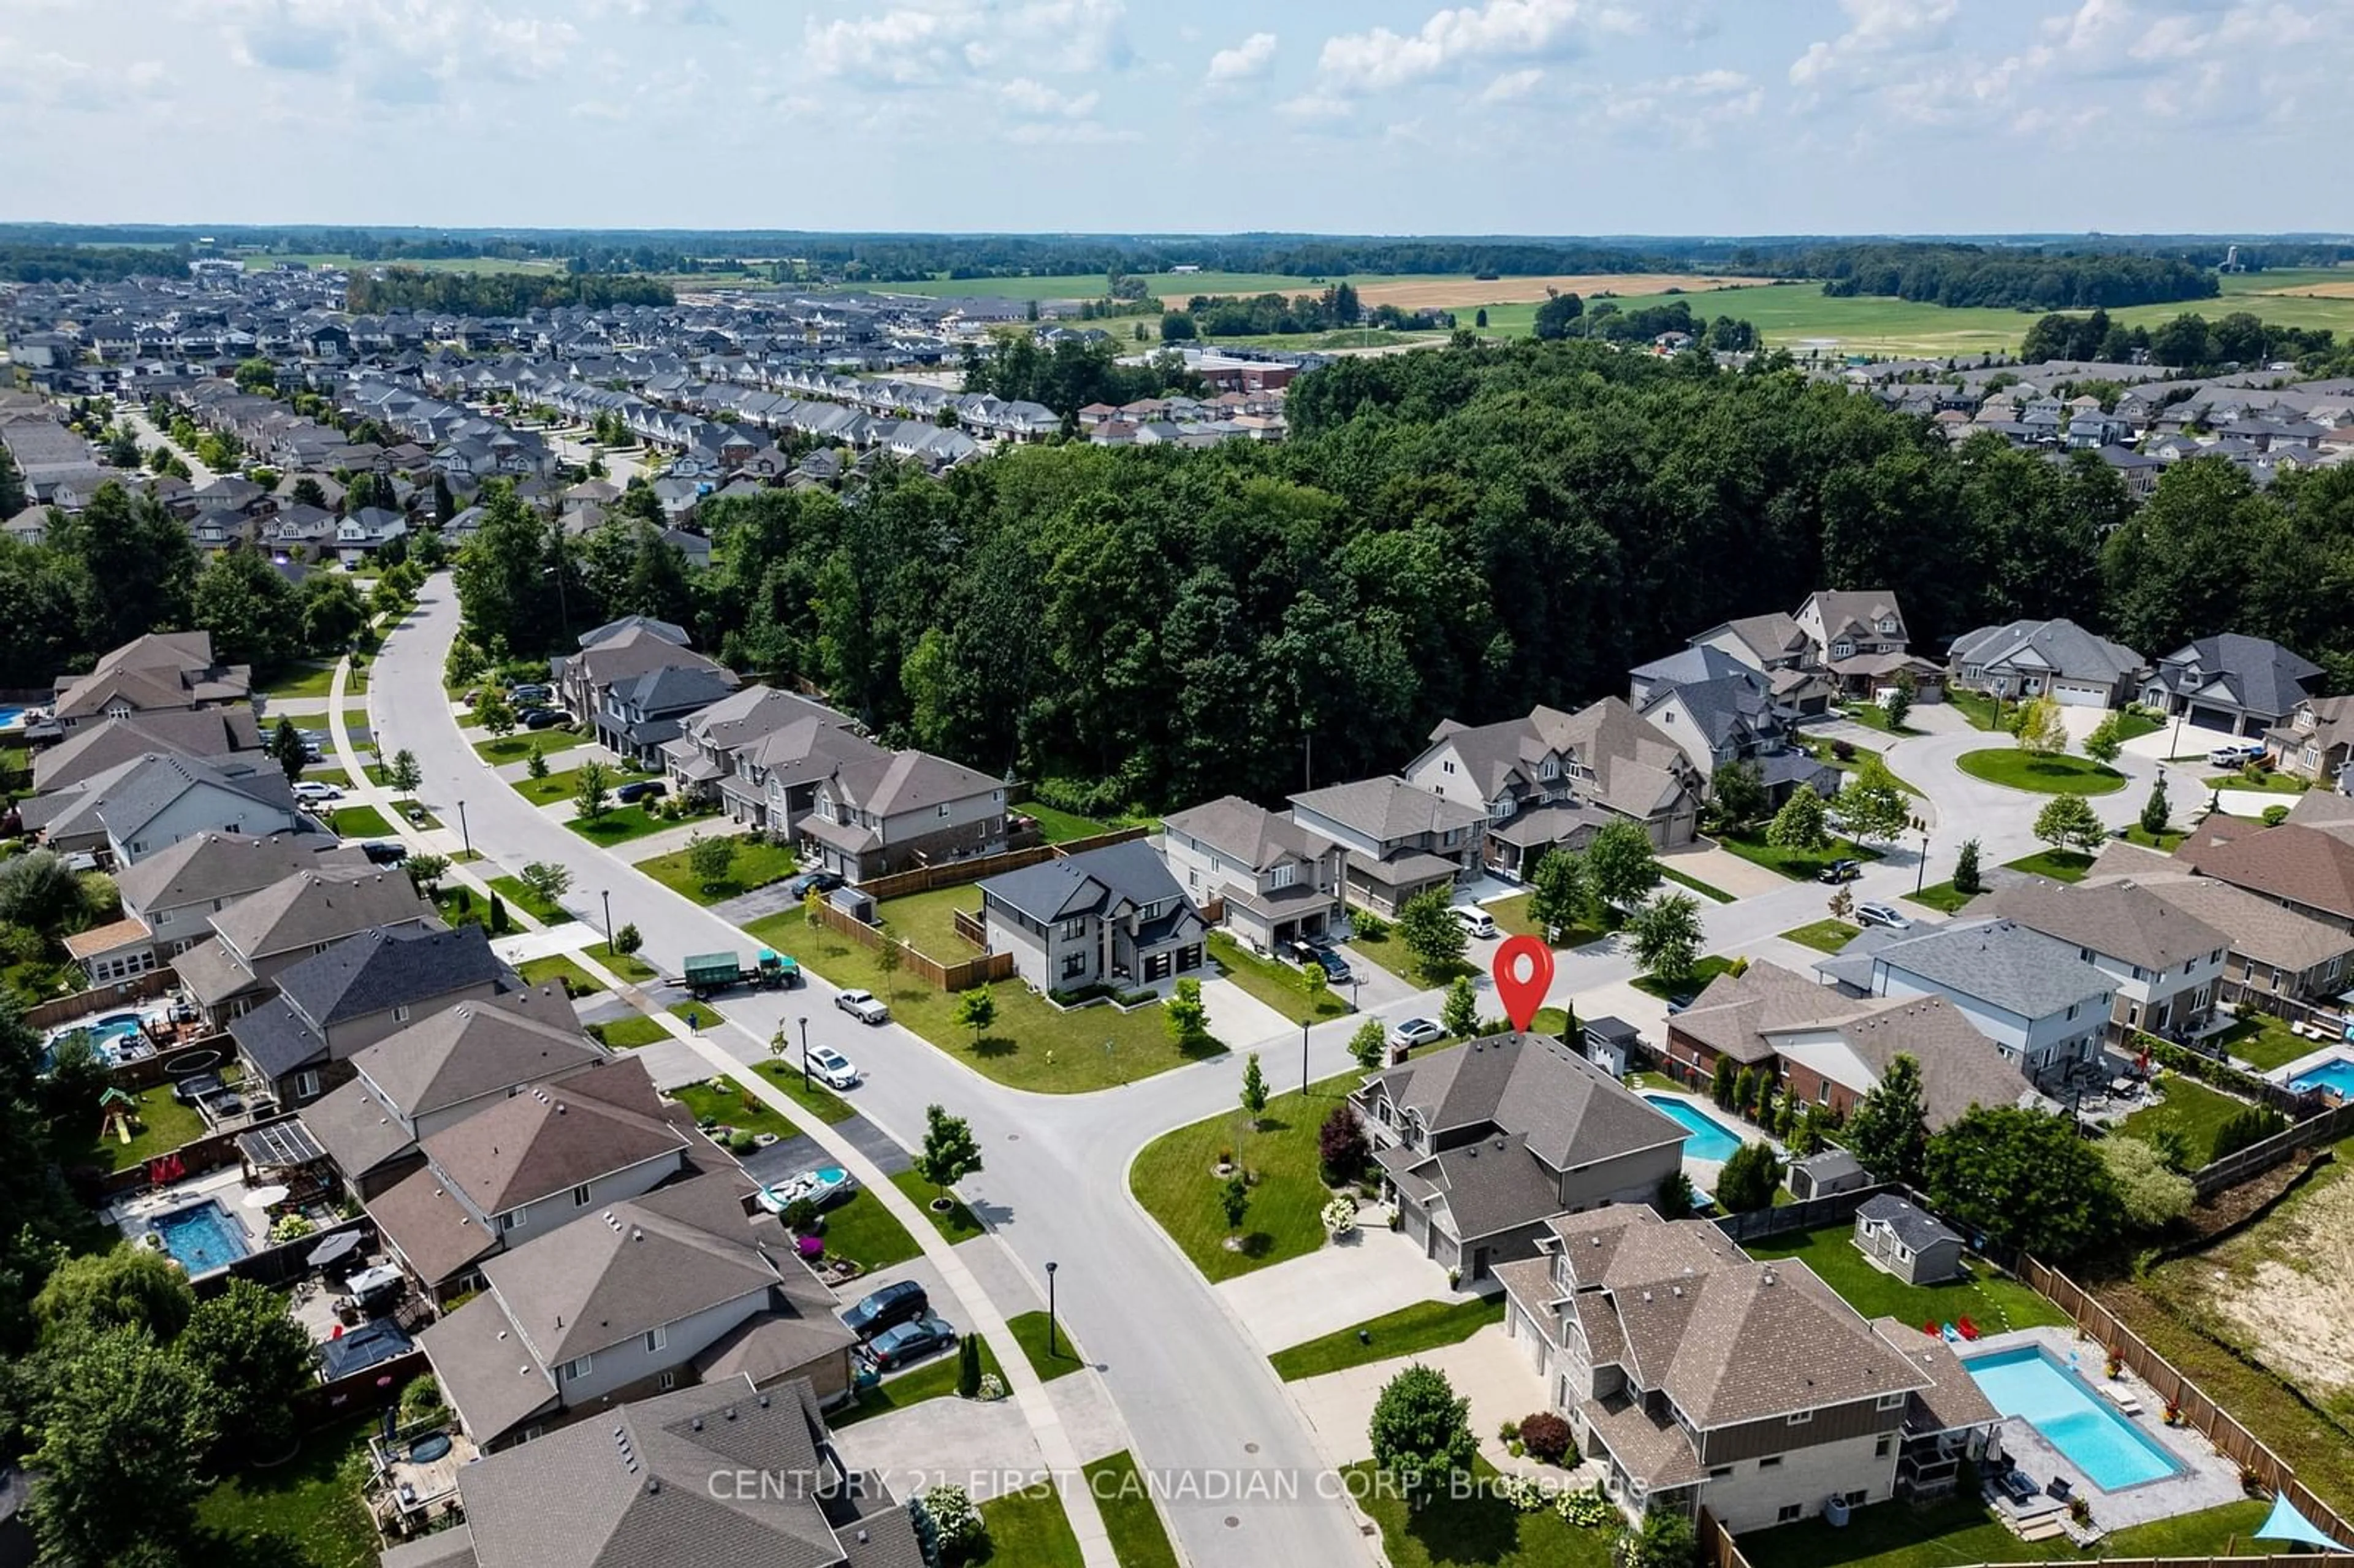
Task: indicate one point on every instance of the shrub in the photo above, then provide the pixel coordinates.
(1341, 1150)
(1546, 1435)
(1340, 1216)
(954, 1519)
(2244, 1127)
(1522, 1492)
(1589, 1509)
(739, 1141)
(1370, 925)
(1844, 751)
(2274, 816)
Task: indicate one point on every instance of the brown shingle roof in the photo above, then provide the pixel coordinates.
(2304, 866)
(556, 1136)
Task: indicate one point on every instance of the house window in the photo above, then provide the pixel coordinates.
(1879, 1449)
(1788, 1513)
(306, 1086)
(1770, 1462)
(2072, 1008)
(400, 1015)
(1074, 965)
(1718, 1472)
(1857, 1499)
(1800, 1417)
(657, 1340)
(574, 1370)
(1075, 930)
(668, 1380)
(1446, 767)
(512, 1220)
(1285, 875)
(580, 1197)
(944, 810)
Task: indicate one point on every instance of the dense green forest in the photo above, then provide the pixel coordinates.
(497, 293)
(59, 263)
(1453, 534)
(1980, 275)
(2189, 341)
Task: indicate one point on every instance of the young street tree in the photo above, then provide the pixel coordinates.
(2156, 811)
(1799, 824)
(1967, 877)
(1560, 894)
(2067, 821)
(1254, 1094)
(977, 1009)
(535, 761)
(1234, 1201)
(710, 859)
(1369, 1044)
(494, 715)
(1430, 931)
(1889, 1134)
(1666, 933)
(2105, 743)
(950, 1153)
(286, 747)
(547, 881)
(1624, 866)
(590, 792)
(1874, 806)
(1421, 1432)
(1460, 1014)
(403, 775)
(1187, 1018)
(2039, 728)
(1899, 703)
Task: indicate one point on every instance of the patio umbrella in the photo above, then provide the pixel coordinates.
(341, 1244)
(2285, 1523)
(266, 1197)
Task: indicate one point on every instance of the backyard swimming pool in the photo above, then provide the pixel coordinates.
(2337, 1075)
(11, 718)
(202, 1236)
(2093, 1434)
(105, 1034)
(1705, 1137)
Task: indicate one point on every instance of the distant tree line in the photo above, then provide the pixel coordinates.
(1071, 374)
(1227, 315)
(498, 294)
(1960, 275)
(2189, 341)
(64, 263)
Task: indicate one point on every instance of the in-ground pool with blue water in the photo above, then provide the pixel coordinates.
(2336, 1075)
(202, 1236)
(2094, 1434)
(1705, 1137)
(11, 718)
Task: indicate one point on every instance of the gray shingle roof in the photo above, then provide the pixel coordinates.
(2259, 673)
(1386, 810)
(1570, 1111)
(1248, 834)
(1917, 1228)
(380, 969)
(2002, 964)
(1094, 882)
(2061, 647)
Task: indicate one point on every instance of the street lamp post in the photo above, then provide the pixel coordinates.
(1303, 1055)
(1051, 1266)
(805, 1070)
(465, 832)
(1921, 873)
(607, 895)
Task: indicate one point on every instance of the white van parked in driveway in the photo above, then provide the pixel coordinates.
(1476, 921)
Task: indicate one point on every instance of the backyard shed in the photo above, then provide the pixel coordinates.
(1908, 1242)
(1823, 1175)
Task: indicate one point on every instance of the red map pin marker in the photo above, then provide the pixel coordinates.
(1524, 972)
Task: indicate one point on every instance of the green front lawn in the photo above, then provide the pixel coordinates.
(306, 1513)
(361, 823)
(696, 1014)
(1993, 1301)
(578, 981)
(1061, 827)
(1824, 936)
(1174, 1178)
(1799, 865)
(500, 750)
(727, 1103)
(519, 896)
(1481, 1528)
(554, 787)
(2268, 782)
(1032, 1045)
(956, 1222)
(631, 1033)
(936, 1379)
(1872, 715)
(1511, 915)
(1975, 706)
(1425, 1326)
(1280, 986)
(628, 966)
(927, 922)
(2056, 864)
(755, 866)
(164, 1125)
(860, 1228)
(2192, 1108)
(1710, 966)
(817, 1099)
(2265, 1043)
(1962, 1530)
(303, 680)
(1030, 1332)
(1139, 1538)
(1942, 896)
(2164, 842)
(2063, 774)
(1028, 1529)
(619, 825)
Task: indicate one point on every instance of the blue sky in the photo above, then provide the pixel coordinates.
(1360, 116)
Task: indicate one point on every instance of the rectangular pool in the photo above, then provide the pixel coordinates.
(2336, 1075)
(2093, 1434)
(1705, 1137)
(202, 1236)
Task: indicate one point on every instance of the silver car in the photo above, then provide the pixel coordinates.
(863, 1006)
(1882, 915)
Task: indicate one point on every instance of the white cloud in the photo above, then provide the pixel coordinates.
(1312, 106)
(1035, 98)
(1247, 62)
(1513, 84)
(1878, 30)
(897, 49)
(402, 49)
(932, 41)
(1381, 59)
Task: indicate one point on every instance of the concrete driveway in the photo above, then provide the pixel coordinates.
(1722, 869)
(984, 1448)
(1345, 1283)
(1488, 1369)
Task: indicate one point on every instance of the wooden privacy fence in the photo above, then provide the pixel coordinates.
(1804, 1214)
(980, 970)
(2233, 1441)
(957, 873)
(120, 993)
(2258, 1157)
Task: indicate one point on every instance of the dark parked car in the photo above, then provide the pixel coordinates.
(908, 1343)
(643, 789)
(1335, 967)
(539, 719)
(385, 852)
(1841, 870)
(530, 694)
(886, 1309)
(810, 881)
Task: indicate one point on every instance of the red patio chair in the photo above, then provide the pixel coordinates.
(1970, 1330)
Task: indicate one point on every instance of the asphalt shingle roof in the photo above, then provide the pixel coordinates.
(2003, 964)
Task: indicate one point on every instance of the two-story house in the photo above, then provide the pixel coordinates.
(2273, 955)
(1272, 880)
(437, 1072)
(1732, 718)
(1858, 638)
(271, 929)
(1827, 1048)
(2165, 963)
(157, 799)
(206, 734)
(1110, 917)
(299, 1043)
(1397, 841)
(164, 671)
(1772, 645)
(619, 651)
(1481, 1144)
(547, 1155)
(2045, 1007)
(761, 1477)
(170, 897)
(676, 1287)
(2028, 659)
(2246, 685)
(728, 751)
(1553, 779)
(2302, 867)
(1700, 1377)
(874, 816)
(2315, 743)
(641, 715)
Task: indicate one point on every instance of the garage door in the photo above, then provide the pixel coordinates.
(2081, 696)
